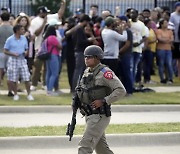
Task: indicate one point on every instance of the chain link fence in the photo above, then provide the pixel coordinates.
(123, 4)
(18, 6)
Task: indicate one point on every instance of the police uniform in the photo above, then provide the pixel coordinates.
(99, 83)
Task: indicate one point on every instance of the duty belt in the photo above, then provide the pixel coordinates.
(87, 110)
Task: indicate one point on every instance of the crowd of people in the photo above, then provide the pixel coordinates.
(133, 44)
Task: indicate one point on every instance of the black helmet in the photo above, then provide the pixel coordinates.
(94, 50)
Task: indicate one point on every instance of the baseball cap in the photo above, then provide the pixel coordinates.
(124, 18)
(54, 22)
(5, 9)
(177, 4)
(109, 21)
(43, 9)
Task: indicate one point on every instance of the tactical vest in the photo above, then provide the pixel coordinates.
(88, 91)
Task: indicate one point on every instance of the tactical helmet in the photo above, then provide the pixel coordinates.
(94, 50)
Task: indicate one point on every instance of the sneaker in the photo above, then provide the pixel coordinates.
(59, 92)
(128, 95)
(150, 82)
(44, 87)
(170, 82)
(30, 97)
(10, 94)
(33, 88)
(16, 98)
(51, 93)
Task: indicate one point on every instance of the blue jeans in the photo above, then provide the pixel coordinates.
(56, 86)
(164, 58)
(52, 71)
(125, 69)
(79, 68)
(135, 61)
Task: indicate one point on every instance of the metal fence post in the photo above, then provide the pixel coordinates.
(84, 6)
(10, 5)
(155, 3)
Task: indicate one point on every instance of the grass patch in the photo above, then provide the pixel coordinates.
(65, 99)
(112, 129)
(152, 98)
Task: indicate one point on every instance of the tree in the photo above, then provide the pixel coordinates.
(52, 5)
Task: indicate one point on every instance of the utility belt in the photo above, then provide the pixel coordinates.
(87, 110)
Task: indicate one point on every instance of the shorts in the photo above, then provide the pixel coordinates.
(3, 60)
(17, 68)
(176, 50)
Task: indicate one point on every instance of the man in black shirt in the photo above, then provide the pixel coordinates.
(80, 42)
(125, 63)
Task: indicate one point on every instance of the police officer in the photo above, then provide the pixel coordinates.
(97, 89)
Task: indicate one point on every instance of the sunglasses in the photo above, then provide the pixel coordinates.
(89, 57)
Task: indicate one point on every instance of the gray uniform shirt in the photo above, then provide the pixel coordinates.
(107, 79)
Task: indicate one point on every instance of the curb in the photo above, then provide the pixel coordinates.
(65, 109)
(159, 89)
(115, 140)
(166, 89)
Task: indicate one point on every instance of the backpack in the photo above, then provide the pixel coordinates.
(43, 53)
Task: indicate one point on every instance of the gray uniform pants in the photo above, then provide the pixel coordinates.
(94, 137)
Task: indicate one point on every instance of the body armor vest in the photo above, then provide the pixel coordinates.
(88, 91)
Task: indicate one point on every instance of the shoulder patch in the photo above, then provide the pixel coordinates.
(108, 75)
(104, 70)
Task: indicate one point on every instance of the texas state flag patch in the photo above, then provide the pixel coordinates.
(108, 75)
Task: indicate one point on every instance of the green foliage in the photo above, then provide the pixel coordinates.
(52, 5)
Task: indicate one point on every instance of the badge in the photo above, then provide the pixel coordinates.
(108, 75)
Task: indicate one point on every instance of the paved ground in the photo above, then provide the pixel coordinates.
(116, 150)
(59, 119)
(161, 89)
(161, 143)
(12, 116)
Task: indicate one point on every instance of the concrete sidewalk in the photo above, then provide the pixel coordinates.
(64, 109)
(160, 89)
(27, 116)
(115, 140)
(174, 149)
(157, 143)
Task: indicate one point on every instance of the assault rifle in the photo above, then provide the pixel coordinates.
(71, 126)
